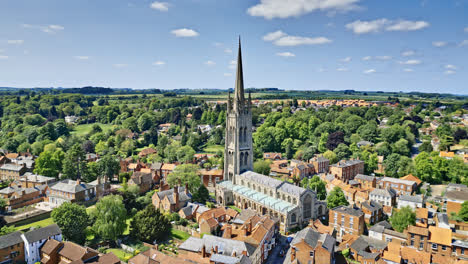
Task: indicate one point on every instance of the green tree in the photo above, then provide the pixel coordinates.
(110, 217)
(401, 219)
(331, 156)
(3, 204)
(72, 220)
(336, 198)
(262, 167)
(202, 195)
(391, 165)
(108, 166)
(426, 147)
(144, 122)
(150, 225)
(185, 154)
(319, 186)
(74, 163)
(401, 147)
(463, 214)
(186, 174)
(5, 230)
(49, 163)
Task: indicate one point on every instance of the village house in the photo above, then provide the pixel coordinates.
(70, 191)
(166, 169)
(156, 170)
(17, 197)
(279, 168)
(302, 169)
(172, 200)
(153, 256)
(384, 231)
(422, 217)
(414, 202)
(367, 250)
(347, 170)
(55, 252)
(386, 197)
(417, 237)
(310, 246)
(440, 241)
(454, 198)
(209, 178)
(367, 182)
(147, 151)
(11, 171)
(272, 156)
(380, 165)
(30, 180)
(12, 248)
(460, 249)
(347, 220)
(33, 241)
(144, 180)
(321, 164)
(401, 186)
(192, 211)
(211, 219)
(373, 212)
(212, 249)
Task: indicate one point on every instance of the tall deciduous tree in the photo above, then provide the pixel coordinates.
(149, 225)
(336, 198)
(108, 166)
(72, 220)
(186, 174)
(49, 163)
(110, 217)
(262, 167)
(401, 219)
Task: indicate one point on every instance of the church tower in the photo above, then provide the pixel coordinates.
(238, 154)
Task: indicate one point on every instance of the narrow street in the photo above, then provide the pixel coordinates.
(275, 257)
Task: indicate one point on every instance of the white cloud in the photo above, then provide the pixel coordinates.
(81, 57)
(217, 44)
(406, 25)
(227, 74)
(185, 32)
(466, 29)
(161, 6)
(270, 9)
(450, 67)
(448, 72)
(3, 57)
(439, 44)
(15, 41)
(463, 43)
(364, 27)
(120, 65)
(285, 54)
(408, 70)
(366, 58)
(342, 69)
(210, 63)
(320, 70)
(384, 57)
(369, 71)
(408, 53)
(51, 29)
(274, 35)
(159, 63)
(374, 26)
(228, 50)
(347, 59)
(410, 62)
(279, 38)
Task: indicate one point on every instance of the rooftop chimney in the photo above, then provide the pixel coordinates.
(175, 195)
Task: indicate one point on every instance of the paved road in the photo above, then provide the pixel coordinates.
(274, 257)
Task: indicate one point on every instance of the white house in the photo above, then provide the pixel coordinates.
(411, 201)
(33, 241)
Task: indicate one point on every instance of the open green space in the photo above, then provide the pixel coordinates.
(181, 235)
(81, 130)
(213, 148)
(121, 254)
(41, 223)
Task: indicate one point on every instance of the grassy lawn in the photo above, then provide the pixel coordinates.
(81, 130)
(235, 208)
(42, 223)
(181, 235)
(213, 148)
(122, 255)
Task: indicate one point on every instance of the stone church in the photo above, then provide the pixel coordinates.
(291, 205)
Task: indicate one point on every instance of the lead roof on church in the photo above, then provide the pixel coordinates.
(274, 183)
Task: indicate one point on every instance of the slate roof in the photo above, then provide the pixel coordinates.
(11, 167)
(389, 192)
(372, 206)
(274, 183)
(395, 180)
(183, 197)
(31, 177)
(10, 240)
(42, 233)
(348, 210)
(70, 186)
(345, 163)
(364, 177)
(457, 195)
(225, 246)
(364, 242)
(411, 198)
(443, 218)
(385, 224)
(312, 237)
(156, 166)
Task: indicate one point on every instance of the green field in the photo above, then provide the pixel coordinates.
(81, 130)
(42, 223)
(122, 255)
(181, 235)
(213, 148)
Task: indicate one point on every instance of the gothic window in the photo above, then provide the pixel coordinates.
(293, 218)
(307, 207)
(289, 199)
(246, 158)
(294, 201)
(241, 159)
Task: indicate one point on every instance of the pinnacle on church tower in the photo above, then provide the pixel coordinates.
(239, 89)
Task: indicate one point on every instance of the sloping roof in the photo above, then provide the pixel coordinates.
(225, 246)
(70, 186)
(156, 166)
(364, 177)
(457, 195)
(364, 242)
(11, 167)
(348, 210)
(395, 180)
(274, 183)
(411, 177)
(418, 230)
(183, 197)
(371, 206)
(389, 192)
(422, 213)
(10, 240)
(168, 166)
(312, 237)
(441, 236)
(75, 252)
(42, 233)
(411, 198)
(50, 245)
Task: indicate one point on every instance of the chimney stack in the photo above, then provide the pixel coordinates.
(203, 251)
(175, 195)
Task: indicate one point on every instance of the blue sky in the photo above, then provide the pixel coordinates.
(398, 45)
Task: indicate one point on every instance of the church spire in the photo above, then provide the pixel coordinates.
(239, 89)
